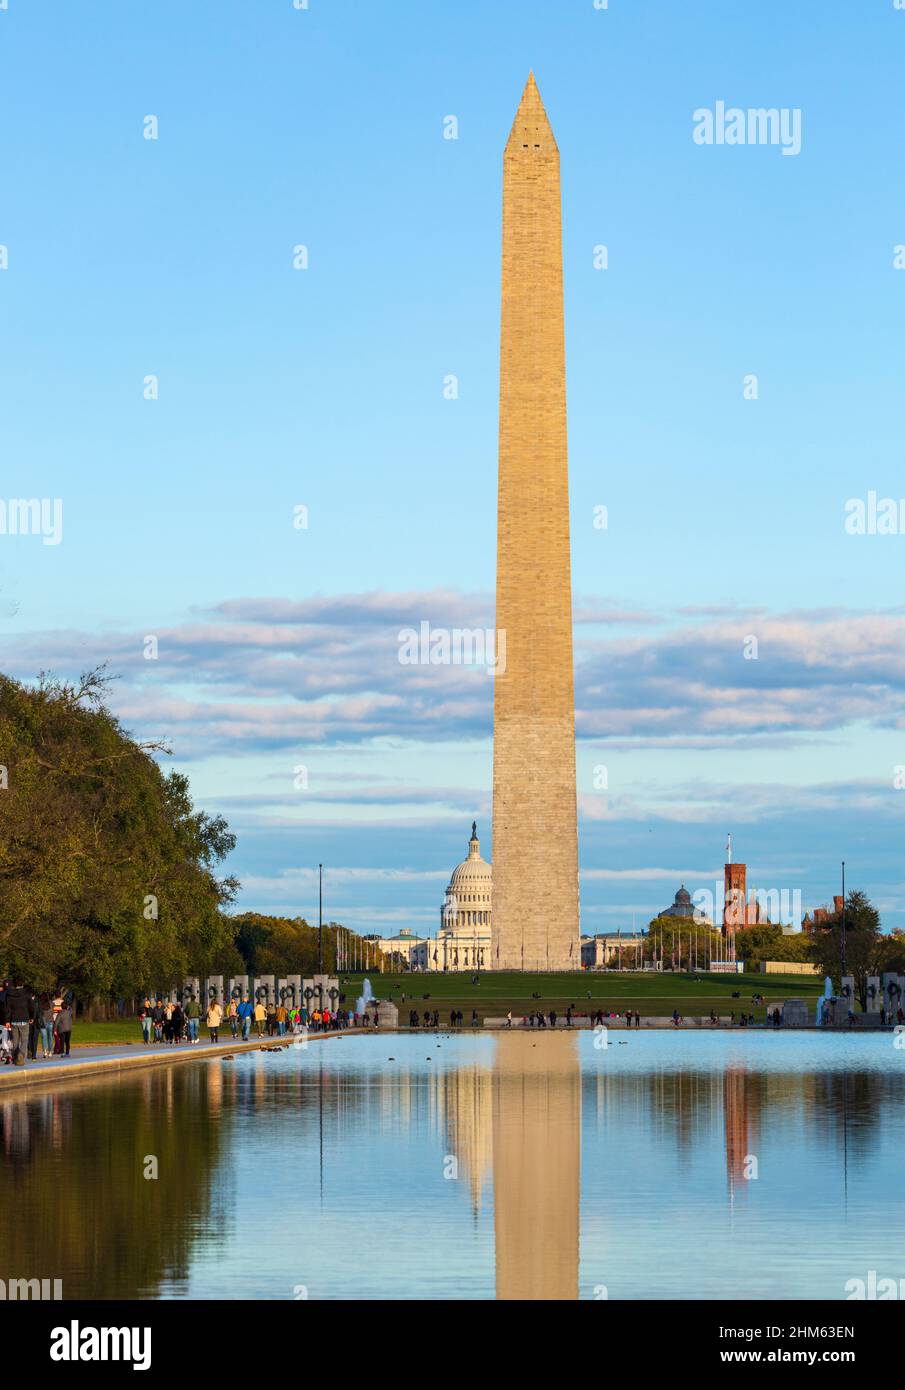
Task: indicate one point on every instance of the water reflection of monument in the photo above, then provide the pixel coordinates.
(522, 1120)
(536, 1166)
(741, 1127)
(464, 1107)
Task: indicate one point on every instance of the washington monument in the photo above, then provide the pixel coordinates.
(535, 829)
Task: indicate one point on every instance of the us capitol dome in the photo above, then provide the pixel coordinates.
(463, 941)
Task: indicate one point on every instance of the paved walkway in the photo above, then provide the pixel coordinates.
(93, 1060)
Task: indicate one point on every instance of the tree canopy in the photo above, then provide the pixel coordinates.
(287, 945)
(867, 950)
(108, 875)
(683, 941)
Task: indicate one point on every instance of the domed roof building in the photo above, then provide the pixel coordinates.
(683, 907)
(463, 942)
(471, 887)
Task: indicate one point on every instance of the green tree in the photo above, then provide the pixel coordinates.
(892, 951)
(287, 945)
(277, 945)
(759, 942)
(865, 946)
(682, 940)
(108, 875)
(769, 942)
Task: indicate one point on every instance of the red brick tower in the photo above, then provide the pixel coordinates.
(735, 898)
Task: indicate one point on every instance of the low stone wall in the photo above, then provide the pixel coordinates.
(647, 1021)
(788, 967)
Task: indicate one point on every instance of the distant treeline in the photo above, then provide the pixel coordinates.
(287, 945)
(868, 950)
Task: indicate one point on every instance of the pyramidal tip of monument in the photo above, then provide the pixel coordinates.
(531, 103)
(531, 128)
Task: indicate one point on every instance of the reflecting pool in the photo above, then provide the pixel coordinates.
(665, 1165)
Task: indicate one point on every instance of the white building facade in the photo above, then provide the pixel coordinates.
(463, 940)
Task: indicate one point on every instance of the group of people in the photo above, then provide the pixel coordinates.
(170, 1022)
(541, 1020)
(163, 1021)
(29, 1020)
(431, 1018)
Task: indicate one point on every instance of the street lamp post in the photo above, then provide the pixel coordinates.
(843, 921)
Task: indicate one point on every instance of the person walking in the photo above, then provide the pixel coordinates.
(145, 1020)
(62, 1025)
(214, 1019)
(20, 1010)
(260, 1018)
(232, 1014)
(34, 1027)
(245, 1014)
(192, 1018)
(46, 1027)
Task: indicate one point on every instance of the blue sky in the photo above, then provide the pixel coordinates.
(323, 388)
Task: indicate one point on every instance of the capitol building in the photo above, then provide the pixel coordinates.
(463, 940)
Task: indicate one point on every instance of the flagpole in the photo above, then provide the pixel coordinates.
(320, 919)
(843, 927)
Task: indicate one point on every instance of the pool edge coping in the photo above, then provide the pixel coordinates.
(79, 1071)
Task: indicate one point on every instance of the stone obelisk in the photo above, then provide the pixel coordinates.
(535, 831)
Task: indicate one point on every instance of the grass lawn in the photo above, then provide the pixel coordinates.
(648, 992)
(126, 1030)
(613, 990)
